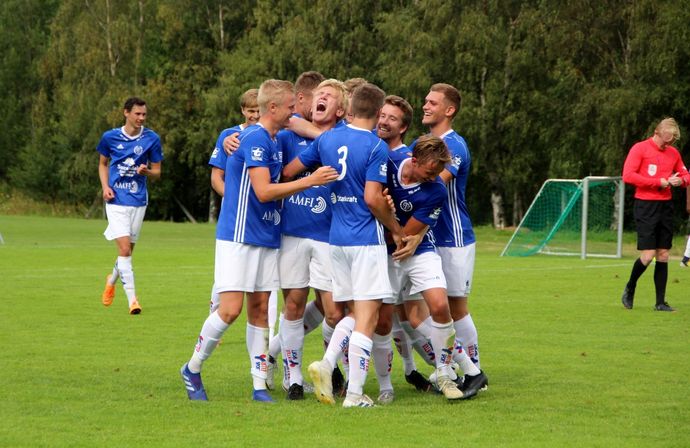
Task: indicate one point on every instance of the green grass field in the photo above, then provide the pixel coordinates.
(568, 365)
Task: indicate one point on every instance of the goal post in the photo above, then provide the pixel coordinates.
(573, 217)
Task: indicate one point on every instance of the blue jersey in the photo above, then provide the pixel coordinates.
(306, 214)
(454, 228)
(243, 218)
(219, 157)
(126, 153)
(358, 156)
(422, 200)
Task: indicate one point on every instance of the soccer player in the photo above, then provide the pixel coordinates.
(455, 240)
(128, 156)
(248, 230)
(304, 258)
(419, 195)
(358, 252)
(219, 158)
(393, 123)
(654, 166)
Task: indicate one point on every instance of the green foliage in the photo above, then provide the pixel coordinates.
(550, 89)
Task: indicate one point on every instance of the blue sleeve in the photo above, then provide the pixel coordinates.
(311, 157)
(458, 155)
(256, 150)
(429, 211)
(156, 154)
(103, 147)
(377, 165)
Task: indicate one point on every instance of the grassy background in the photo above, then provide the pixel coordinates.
(568, 365)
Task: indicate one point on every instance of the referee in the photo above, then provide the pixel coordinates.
(653, 166)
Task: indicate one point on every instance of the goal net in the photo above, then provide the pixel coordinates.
(572, 217)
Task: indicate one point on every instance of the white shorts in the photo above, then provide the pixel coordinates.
(458, 267)
(124, 220)
(416, 274)
(244, 267)
(304, 262)
(360, 273)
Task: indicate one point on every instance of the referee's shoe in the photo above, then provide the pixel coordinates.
(628, 297)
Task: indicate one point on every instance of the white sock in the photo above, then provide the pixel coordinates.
(420, 344)
(340, 340)
(124, 265)
(402, 344)
(257, 343)
(464, 361)
(115, 275)
(382, 351)
(292, 342)
(211, 332)
(326, 333)
(312, 317)
(272, 312)
(215, 300)
(442, 339)
(360, 352)
(466, 332)
(425, 327)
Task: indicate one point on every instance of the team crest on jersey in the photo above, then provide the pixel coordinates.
(406, 205)
(651, 169)
(457, 160)
(138, 150)
(257, 153)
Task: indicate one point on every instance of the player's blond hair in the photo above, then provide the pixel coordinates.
(273, 91)
(339, 87)
(248, 98)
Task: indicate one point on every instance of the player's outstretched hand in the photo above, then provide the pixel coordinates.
(231, 143)
(323, 175)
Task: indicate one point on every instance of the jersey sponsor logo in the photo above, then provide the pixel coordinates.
(336, 198)
(457, 160)
(406, 205)
(383, 169)
(138, 150)
(132, 186)
(127, 168)
(257, 153)
(215, 153)
(272, 215)
(316, 205)
(651, 169)
(436, 213)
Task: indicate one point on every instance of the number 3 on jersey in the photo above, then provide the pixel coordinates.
(342, 161)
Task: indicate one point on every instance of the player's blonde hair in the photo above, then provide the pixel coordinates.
(273, 91)
(248, 98)
(339, 87)
(669, 123)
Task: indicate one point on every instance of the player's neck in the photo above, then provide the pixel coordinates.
(271, 126)
(406, 173)
(132, 131)
(441, 128)
(325, 125)
(394, 142)
(364, 123)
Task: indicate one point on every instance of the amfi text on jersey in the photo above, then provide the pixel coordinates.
(316, 205)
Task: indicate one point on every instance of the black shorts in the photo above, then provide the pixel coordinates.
(654, 222)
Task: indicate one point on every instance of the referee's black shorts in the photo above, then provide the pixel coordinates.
(654, 222)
